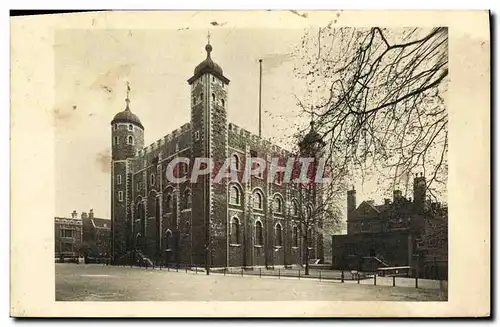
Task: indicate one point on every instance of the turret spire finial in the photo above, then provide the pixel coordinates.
(127, 100)
(208, 47)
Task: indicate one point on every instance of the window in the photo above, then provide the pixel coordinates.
(201, 96)
(295, 236)
(117, 140)
(130, 127)
(118, 179)
(168, 240)
(120, 196)
(278, 204)
(222, 103)
(295, 209)
(115, 126)
(257, 200)
(235, 162)
(130, 139)
(196, 135)
(186, 199)
(213, 97)
(168, 203)
(258, 233)
(279, 235)
(67, 233)
(213, 79)
(234, 195)
(187, 227)
(235, 231)
(152, 179)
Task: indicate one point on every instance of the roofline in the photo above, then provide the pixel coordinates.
(205, 71)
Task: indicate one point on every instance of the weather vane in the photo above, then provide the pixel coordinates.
(128, 92)
(208, 36)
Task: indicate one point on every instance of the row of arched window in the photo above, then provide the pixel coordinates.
(222, 103)
(130, 140)
(259, 240)
(235, 198)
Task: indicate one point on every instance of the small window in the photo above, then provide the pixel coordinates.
(120, 196)
(278, 204)
(213, 97)
(222, 103)
(235, 162)
(130, 139)
(279, 235)
(196, 135)
(130, 127)
(115, 126)
(213, 78)
(234, 196)
(235, 231)
(258, 233)
(201, 96)
(152, 179)
(257, 201)
(295, 236)
(187, 199)
(117, 140)
(118, 179)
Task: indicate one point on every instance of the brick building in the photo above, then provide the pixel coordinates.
(399, 232)
(206, 223)
(86, 236)
(68, 234)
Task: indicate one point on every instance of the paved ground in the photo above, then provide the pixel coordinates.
(109, 283)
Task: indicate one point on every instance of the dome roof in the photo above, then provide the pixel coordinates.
(126, 116)
(208, 66)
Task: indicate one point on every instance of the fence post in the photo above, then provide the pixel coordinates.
(279, 274)
(342, 276)
(225, 271)
(196, 270)
(177, 268)
(186, 269)
(320, 275)
(260, 272)
(168, 268)
(374, 279)
(358, 276)
(299, 274)
(241, 271)
(393, 280)
(416, 281)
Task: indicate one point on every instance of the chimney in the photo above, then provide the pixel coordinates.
(419, 190)
(397, 195)
(74, 214)
(91, 213)
(84, 215)
(387, 201)
(351, 202)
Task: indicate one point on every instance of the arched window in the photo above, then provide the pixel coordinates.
(168, 202)
(117, 140)
(234, 195)
(278, 204)
(279, 235)
(130, 140)
(235, 231)
(201, 96)
(295, 236)
(213, 97)
(258, 233)
(130, 127)
(258, 201)
(295, 209)
(222, 103)
(187, 199)
(168, 240)
(235, 162)
(187, 227)
(141, 215)
(152, 179)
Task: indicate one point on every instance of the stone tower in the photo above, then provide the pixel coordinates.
(209, 140)
(419, 190)
(127, 137)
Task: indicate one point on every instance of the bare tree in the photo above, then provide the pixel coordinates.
(377, 96)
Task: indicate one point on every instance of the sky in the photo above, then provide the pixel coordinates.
(91, 70)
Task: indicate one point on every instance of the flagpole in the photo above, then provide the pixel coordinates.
(260, 97)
